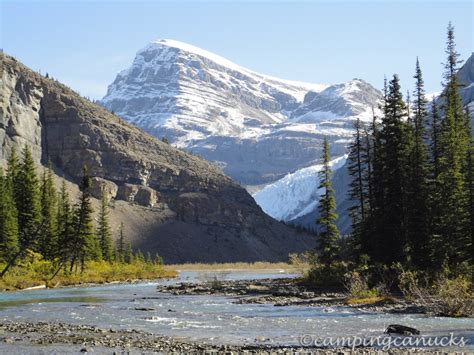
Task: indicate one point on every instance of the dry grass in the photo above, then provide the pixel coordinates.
(257, 266)
(40, 272)
(369, 300)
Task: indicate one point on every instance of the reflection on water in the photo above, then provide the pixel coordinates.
(212, 318)
(19, 302)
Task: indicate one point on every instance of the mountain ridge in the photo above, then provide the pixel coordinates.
(245, 122)
(172, 202)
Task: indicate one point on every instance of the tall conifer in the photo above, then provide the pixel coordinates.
(329, 235)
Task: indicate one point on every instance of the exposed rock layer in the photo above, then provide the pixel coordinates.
(177, 204)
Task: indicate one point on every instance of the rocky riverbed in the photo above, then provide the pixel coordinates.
(285, 292)
(89, 339)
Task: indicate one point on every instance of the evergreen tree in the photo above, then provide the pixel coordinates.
(128, 258)
(435, 131)
(148, 259)
(328, 233)
(27, 198)
(139, 258)
(104, 233)
(469, 182)
(418, 213)
(86, 246)
(121, 245)
(8, 221)
(357, 187)
(65, 226)
(452, 222)
(49, 237)
(392, 162)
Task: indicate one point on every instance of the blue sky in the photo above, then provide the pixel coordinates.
(85, 43)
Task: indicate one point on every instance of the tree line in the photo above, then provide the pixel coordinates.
(411, 180)
(34, 216)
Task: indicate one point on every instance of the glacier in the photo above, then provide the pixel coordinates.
(296, 194)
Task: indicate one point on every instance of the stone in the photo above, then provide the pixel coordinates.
(146, 196)
(99, 184)
(401, 329)
(127, 192)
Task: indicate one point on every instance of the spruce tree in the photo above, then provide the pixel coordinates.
(452, 222)
(329, 235)
(357, 188)
(49, 230)
(8, 221)
(27, 198)
(104, 234)
(121, 245)
(435, 131)
(128, 258)
(65, 226)
(394, 143)
(417, 190)
(86, 246)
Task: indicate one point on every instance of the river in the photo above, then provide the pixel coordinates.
(210, 318)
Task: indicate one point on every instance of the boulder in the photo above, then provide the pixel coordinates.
(146, 196)
(401, 329)
(142, 195)
(127, 192)
(99, 184)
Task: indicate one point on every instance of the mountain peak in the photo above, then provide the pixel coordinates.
(214, 107)
(186, 47)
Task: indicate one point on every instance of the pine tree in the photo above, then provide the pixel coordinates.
(148, 259)
(8, 221)
(329, 235)
(65, 226)
(24, 183)
(452, 222)
(86, 246)
(417, 190)
(435, 131)
(357, 188)
(104, 233)
(128, 258)
(392, 160)
(469, 182)
(121, 245)
(49, 230)
(27, 198)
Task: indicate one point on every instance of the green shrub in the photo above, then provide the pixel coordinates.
(322, 276)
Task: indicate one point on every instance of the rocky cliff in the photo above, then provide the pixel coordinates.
(172, 202)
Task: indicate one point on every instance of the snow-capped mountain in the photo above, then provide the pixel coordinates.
(296, 194)
(194, 93)
(256, 127)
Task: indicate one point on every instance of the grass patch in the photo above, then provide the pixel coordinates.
(257, 266)
(39, 272)
(369, 300)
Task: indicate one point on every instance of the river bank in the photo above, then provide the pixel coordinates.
(287, 292)
(41, 274)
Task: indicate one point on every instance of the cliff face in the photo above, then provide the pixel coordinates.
(172, 202)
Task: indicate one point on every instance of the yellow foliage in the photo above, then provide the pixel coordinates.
(368, 300)
(34, 271)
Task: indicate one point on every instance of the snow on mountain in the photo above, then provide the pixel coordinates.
(178, 87)
(296, 194)
(256, 127)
